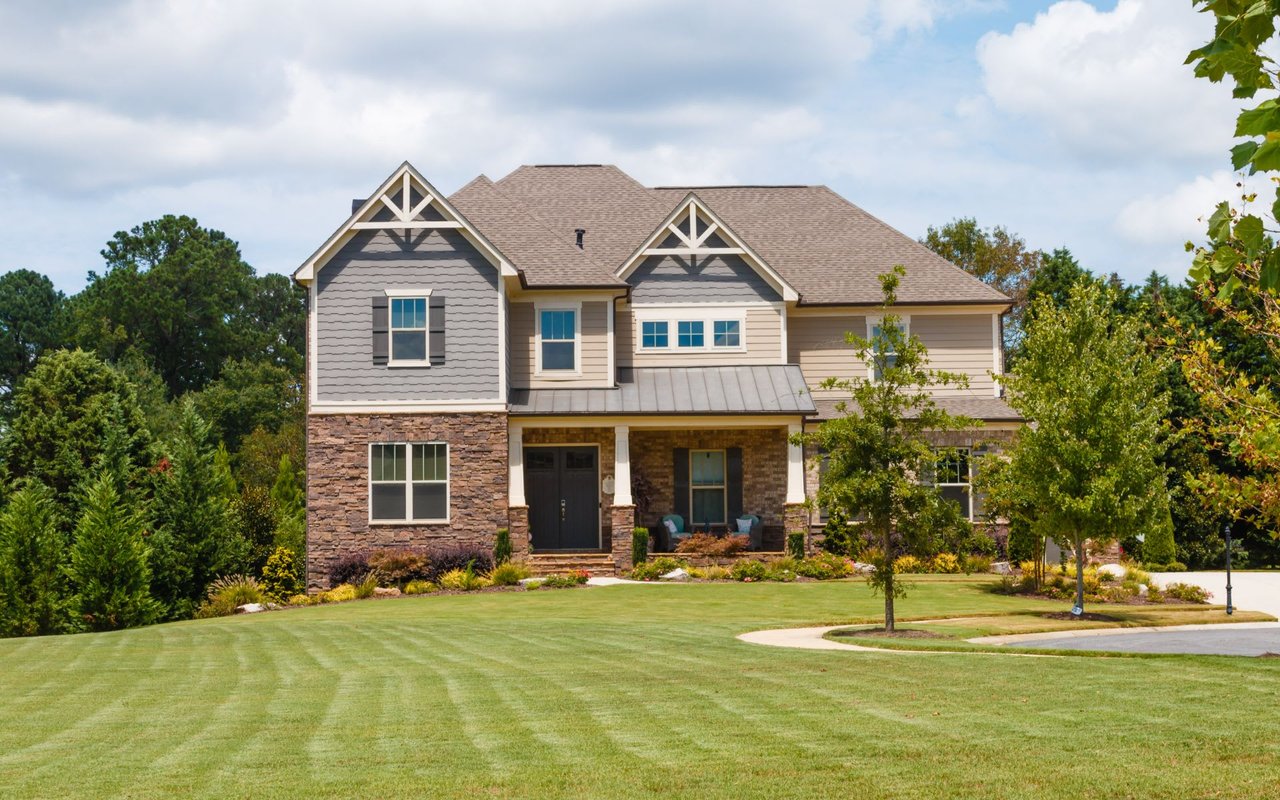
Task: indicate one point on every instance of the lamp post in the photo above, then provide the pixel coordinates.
(1227, 530)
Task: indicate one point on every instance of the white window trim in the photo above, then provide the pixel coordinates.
(723, 486)
(968, 460)
(673, 318)
(408, 484)
(874, 320)
(647, 349)
(553, 374)
(408, 293)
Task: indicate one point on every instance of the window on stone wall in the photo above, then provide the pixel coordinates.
(409, 482)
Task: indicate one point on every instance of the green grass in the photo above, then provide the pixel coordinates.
(629, 691)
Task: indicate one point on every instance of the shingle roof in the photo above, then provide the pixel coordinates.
(679, 390)
(987, 409)
(544, 258)
(827, 248)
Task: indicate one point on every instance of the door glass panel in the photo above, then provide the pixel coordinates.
(580, 459)
(539, 459)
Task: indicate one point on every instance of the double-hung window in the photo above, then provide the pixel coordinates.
(408, 329)
(409, 482)
(883, 352)
(707, 486)
(726, 333)
(951, 474)
(689, 333)
(653, 334)
(558, 334)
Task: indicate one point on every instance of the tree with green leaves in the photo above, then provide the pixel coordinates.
(34, 595)
(62, 411)
(248, 395)
(994, 256)
(32, 321)
(879, 446)
(109, 560)
(1237, 274)
(1087, 463)
(195, 540)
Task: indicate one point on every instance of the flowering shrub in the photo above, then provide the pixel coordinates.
(748, 571)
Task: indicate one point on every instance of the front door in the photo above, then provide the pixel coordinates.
(561, 484)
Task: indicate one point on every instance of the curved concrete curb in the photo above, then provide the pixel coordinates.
(813, 639)
(1014, 638)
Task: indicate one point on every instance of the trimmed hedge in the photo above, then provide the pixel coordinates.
(639, 545)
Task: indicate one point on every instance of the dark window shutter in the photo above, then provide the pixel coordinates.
(680, 471)
(380, 325)
(733, 483)
(435, 328)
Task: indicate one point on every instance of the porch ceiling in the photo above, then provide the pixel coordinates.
(679, 390)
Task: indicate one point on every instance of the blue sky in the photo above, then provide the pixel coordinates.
(1070, 123)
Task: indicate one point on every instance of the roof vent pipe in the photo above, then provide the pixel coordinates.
(580, 232)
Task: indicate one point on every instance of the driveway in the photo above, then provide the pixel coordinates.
(1255, 591)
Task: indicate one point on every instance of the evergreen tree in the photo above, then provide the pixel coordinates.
(287, 492)
(109, 560)
(34, 597)
(195, 539)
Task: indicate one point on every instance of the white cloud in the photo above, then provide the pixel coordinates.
(1179, 215)
(1111, 85)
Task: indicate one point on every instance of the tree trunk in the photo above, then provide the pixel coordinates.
(1080, 558)
(888, 585)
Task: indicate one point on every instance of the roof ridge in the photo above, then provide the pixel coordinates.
(738, 186)
(542, 223)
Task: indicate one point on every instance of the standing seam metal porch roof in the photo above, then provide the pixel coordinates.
(679, 390)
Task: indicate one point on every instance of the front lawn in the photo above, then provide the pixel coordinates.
(626, 691)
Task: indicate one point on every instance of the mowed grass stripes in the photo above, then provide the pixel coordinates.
(629, 691)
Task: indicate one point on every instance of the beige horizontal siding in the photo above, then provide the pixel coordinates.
(818, 345)
(763, 337)
(959, 343)
(594, 349)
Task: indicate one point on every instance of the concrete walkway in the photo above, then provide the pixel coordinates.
(1255, 591)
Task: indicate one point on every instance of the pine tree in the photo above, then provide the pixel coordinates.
(287, 491)
(34, 595)
(195, 539)
(109, 560)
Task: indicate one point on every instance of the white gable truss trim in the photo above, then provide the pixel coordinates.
(395, 195)
(694, 243)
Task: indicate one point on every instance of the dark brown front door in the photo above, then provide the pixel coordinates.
(560, 484)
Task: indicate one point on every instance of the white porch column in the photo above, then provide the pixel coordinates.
(622, 465)
(515, 466)
(795, 467)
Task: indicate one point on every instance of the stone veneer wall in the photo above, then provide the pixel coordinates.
(338, 483)
(764, 471)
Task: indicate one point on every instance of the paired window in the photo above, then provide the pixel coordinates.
(691, 334)
(409, 482)
(952, 475)
(558, 336)
(707, 486)
(408, 329)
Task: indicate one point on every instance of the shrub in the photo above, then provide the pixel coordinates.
(652, 570)
(366, 587)
(420, 587)
(706, 544)
(465, 580)
(569, 580)
(908, 563)
(981, 544)
(795, 545)
(945, 564)
(748, 571)
(228, 593)
(338, 594)
(509, 574)
(460, 557)
(639, 545)
(396, 567)
(977, 563)
(824, 567)
(280, 575)
(300, 600)
(781, 571)
(349, 568)
(1186, 593)
(502, 546)
(716, 573)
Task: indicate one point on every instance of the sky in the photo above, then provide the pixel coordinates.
(1069, 123)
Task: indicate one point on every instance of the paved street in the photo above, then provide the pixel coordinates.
(1220, 641)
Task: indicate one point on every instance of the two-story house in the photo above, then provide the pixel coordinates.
(534, 352)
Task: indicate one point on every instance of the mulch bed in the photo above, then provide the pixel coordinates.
(1086, 616)
(881, 633)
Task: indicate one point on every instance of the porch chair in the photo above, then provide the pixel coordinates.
(756, 531)
(676, 531)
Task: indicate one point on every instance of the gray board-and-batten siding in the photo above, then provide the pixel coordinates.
(373, 261)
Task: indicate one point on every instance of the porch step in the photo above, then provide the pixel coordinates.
(598, 564)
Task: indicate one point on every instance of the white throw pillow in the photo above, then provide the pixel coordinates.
(671, 525)
(744, 524)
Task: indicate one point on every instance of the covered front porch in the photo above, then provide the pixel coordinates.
(582, 485)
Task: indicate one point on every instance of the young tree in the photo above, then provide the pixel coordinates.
(1088, 461)
(33, 587)
(195, 539)
(880, 444)
(287, 492)
(109, 560)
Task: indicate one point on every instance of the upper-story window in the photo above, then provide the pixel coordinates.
(653, 334)
(689, 333)
(727, 333)
(408, 329)
(883, 355)
(558, 340)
